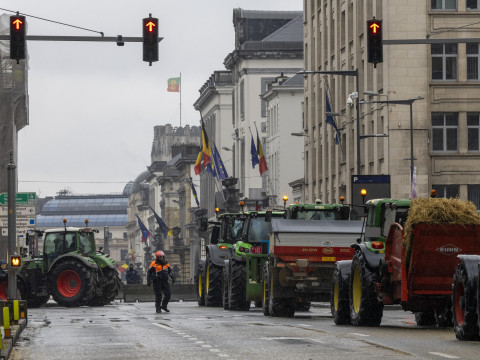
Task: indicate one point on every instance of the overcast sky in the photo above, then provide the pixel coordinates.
(93, 105)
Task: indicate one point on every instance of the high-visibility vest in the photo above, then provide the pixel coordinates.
(159, 268)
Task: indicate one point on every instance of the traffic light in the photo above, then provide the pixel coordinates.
(150, 39)
(374, 41)
(15, 261)
(17, 37)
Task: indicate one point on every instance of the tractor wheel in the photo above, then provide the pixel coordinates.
(213, 284)
(72, 284)
(279, 307)
(108, 284)
(425, 318)
(238, 281)
(225, 286)
(37, 301)
(444, 316)
(365, 310)
(266, 290)
(465, 314)
(21, 287)
(199, 286)
(339, 298)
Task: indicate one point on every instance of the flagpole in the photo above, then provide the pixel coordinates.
(180, 99)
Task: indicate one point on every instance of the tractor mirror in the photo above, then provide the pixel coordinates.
(203, 224)
(268, 216)
(215, 235)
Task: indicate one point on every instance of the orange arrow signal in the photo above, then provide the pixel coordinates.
(374, 27)
(150, 25)
(17, 23)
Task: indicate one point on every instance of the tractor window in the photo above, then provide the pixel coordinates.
(53, 246)
(235, 231)
(325, 215)
(70, 242)
(259, 230)
(398, 215)
(86, 243)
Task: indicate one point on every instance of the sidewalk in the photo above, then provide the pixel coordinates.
(8, 344)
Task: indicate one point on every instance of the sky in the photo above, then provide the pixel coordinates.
(93, 105)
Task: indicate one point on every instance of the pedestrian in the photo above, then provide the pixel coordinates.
(158, 274)
(132, 275)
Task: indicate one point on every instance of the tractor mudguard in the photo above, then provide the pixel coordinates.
(86, 261)
(471, 263)
(217, 255)
(345, 267)
(372, 259)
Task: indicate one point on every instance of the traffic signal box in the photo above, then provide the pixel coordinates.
(15, 261)
(374, 41)
(17, 37)
(150, 39)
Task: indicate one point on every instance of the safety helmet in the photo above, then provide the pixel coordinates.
(159, 253)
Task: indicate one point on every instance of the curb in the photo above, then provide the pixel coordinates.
(8, 343)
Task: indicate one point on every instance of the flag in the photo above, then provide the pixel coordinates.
(173, 85)
(211, 169)
(219, 167)
(198, 164)
(262, 162)
(161, 224)
(125, 266)
(206, 149)
(145, 233)
(253, 152)
(330, 120)
(194, 192)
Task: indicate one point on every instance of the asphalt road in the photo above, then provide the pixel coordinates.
(135, 331)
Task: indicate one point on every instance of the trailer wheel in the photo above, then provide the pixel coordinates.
(465, 315)
(365, 309)
(266, 290)
(444, 316)
(225, 286)
(277, 306)
(425, 318)
(213, 284)
(71, 284)
(339, 298)
(238, 281)
(199, 286)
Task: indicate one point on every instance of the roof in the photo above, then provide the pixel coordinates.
(294, 81)
(292, 31)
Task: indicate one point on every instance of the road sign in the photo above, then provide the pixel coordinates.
(21, 222)
(20, 231)
(21, 210)
(20, 199)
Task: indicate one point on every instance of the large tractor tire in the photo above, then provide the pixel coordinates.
(277, 306)
(340, 298)
(213, 284)
(238, 287)
(225, 279)
(465, 315)
(21, 287)
(200, 285)
(266, 290)
(365, 309)
(425, 318)
(108, 284)
(72, 284)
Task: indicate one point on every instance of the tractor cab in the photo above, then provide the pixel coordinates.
(319, 211)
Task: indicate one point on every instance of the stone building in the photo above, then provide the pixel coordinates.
(445, 73)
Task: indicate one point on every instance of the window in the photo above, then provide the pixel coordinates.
(474, 194)
(472, 4)
(444, 61)
(472, 61)
(444, 4)
(446, 191)
(444, 131)
(473, 131)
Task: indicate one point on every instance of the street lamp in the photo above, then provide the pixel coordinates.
(403, 102)
(357, 106)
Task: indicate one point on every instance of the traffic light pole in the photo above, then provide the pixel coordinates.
(12, 226)
(119, 39)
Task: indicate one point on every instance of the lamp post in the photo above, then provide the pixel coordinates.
(357, 106)
(403, 102)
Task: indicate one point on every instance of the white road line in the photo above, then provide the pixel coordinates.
(304, 325)
(358, 334)
(444, 355)
(206, 346)
(223, 355)
(215, 350)
(162, 326)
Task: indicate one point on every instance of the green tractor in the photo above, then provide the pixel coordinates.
(243, 271)
(209, 274)
(70, 270)
(320, 211)
(369, 254)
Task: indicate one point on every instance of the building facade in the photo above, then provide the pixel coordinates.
(444, 123)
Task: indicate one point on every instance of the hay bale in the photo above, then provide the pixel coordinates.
(438, 211)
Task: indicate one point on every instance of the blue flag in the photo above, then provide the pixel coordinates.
(330, 120)
(145, 233)
(161, 224)
(217, 160)
(210, 168)
(253, 152)
(194, 192)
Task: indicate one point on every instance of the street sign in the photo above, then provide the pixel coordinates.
(21, 210)
(20, 199)
(20, 231)
(21, 222)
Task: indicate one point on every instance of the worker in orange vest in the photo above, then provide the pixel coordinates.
(158, 273)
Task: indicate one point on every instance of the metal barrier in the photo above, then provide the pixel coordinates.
(141, 292)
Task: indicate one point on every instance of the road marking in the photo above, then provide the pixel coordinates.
(444, 355)
(215, 350)
(358, 334)
(304, 325)
(206, 346)
(162, 326)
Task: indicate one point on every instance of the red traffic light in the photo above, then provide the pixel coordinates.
(374, 41)
(17, 37)
(150, 39)
(18, 22)
(374, 27)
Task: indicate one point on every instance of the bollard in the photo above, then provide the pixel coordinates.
(6, 322)
(15, 312)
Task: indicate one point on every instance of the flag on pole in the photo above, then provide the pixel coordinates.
(254, 154)
(330, 120)
(161, 224)
(173, 85)
(145, 233)
(198, 164)
(206, 149)
(219, 166)
(194, 192)
(262, 162)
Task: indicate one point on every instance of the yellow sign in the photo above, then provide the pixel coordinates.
(329, 258)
